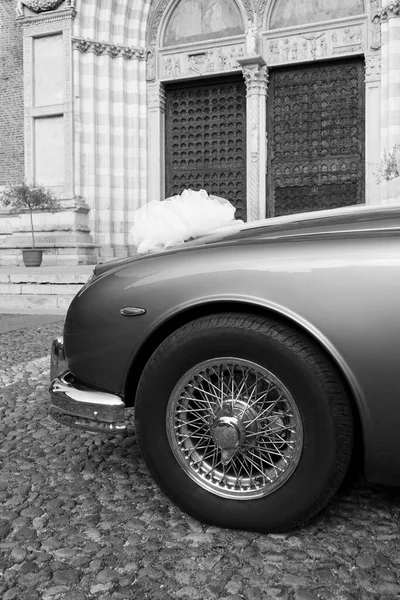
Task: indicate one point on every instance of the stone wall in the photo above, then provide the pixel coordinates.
(11, 97)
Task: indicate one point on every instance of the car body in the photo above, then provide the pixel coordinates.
(330, 279)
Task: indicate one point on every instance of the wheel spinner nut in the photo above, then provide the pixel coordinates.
(226, 433)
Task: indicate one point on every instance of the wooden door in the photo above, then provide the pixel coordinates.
(316, 136)
(206, 139)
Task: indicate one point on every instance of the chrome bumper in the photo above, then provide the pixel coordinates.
(77, 406)
(58, 363)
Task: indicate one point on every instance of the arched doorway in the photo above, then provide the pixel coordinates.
(316, 105)
(197, 99)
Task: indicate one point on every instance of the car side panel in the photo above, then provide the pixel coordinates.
(345, 292)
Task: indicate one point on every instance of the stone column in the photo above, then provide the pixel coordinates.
(156, 141)
(372, 126)
(390, 94)
(255, 74)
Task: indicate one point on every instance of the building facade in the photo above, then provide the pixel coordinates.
(276, 105)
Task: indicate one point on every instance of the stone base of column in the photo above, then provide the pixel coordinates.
(64, 236)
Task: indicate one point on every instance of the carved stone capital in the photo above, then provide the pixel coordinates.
(255, 73)
(389, 12)
(113, 50)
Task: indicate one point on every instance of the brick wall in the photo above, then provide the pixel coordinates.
(11, 96)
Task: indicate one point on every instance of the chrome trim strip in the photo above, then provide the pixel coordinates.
(363, 210)
(375, 232)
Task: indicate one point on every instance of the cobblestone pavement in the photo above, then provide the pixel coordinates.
(80, 517)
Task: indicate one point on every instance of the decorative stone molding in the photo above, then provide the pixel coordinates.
(376, 35)
(248, 7)
(262, 4)
(252, 35)
(113, 50)
(314, 45)
(201, 62)
(156, 96)
(372, 67)
(151, 64)
(157, 16)
(390, 11)
(255, 74)
(162, 6)
(374, 6)
(156, 102)
(351, 40)
(38, 6)
(47, 18)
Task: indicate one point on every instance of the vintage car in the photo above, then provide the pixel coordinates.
(258, 361)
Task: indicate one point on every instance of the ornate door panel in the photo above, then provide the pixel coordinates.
(206, 139)
(316, 130)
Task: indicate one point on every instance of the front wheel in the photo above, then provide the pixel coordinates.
(244, 423)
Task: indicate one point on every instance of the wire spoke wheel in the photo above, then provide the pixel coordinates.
(233, 407)
(234, 428)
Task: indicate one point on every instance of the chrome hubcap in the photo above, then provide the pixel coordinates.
(226, 433)
(234, 428)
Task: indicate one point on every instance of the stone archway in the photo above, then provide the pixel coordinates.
(214, 51)
(352, 31)
(351, 34)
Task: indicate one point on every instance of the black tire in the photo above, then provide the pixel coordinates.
(314, 385)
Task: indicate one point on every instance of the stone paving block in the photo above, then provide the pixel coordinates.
(71, 529)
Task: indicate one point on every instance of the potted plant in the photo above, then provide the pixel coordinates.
(25, 197)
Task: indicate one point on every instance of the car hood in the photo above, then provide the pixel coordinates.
(325, 222)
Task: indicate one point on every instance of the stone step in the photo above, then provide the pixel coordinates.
(44, 289)
(23, 302)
